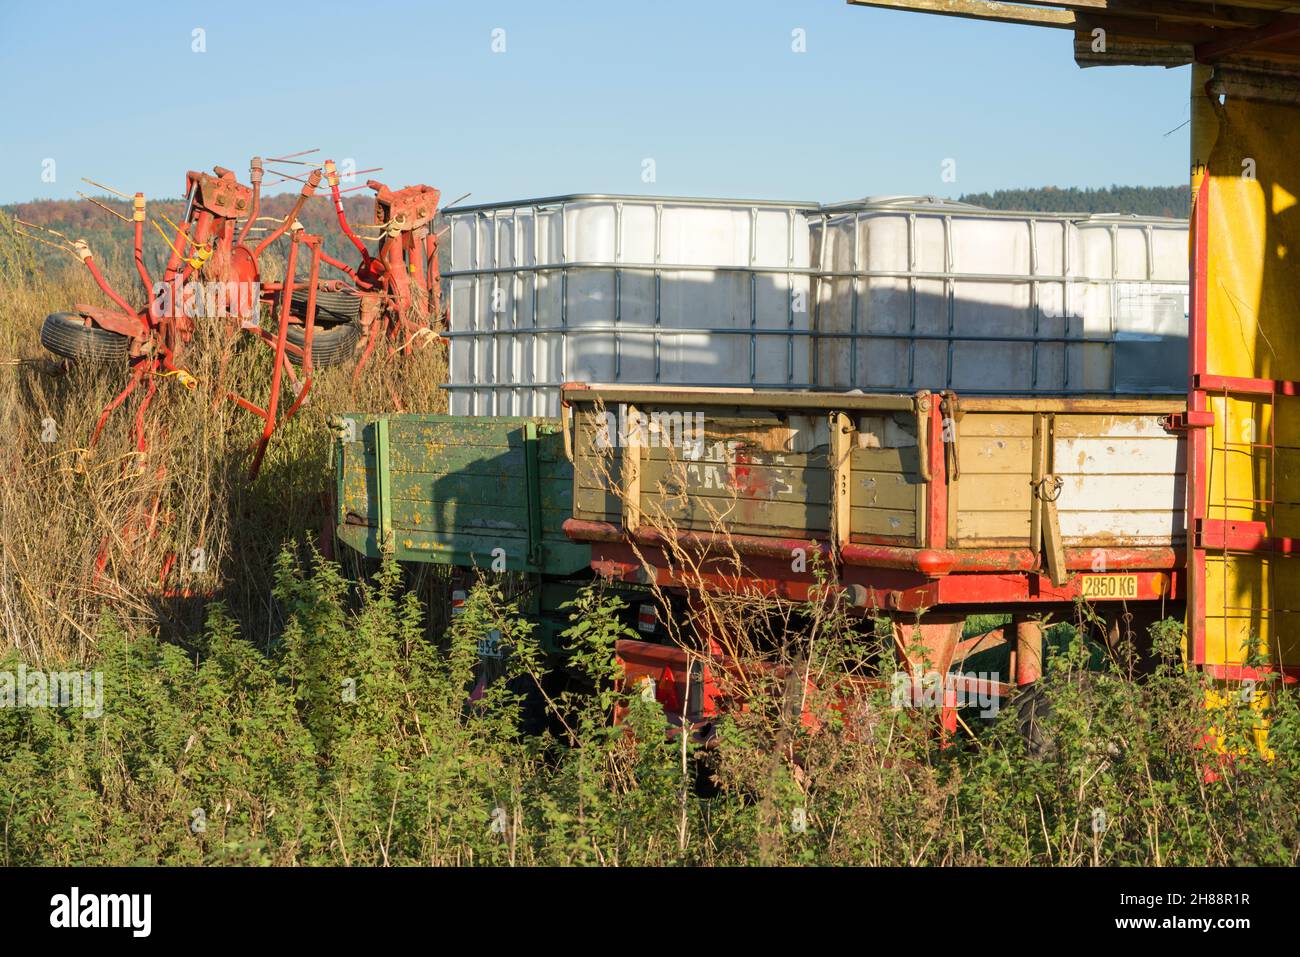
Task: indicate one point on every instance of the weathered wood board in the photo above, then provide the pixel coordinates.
(478, 492)
(749, 474)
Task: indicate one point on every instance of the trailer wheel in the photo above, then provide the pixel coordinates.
(1033, 709)
(330, 345)
(1035, 706)
(332, 308)
(66, 334)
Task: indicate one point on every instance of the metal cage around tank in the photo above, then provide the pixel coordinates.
(608, 288)
(497, 292)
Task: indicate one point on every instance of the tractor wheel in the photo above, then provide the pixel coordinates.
(332, 308)
(330, 345)
(66, 334)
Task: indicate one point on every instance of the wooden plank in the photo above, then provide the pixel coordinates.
(884, 521)
(383, 487)
(992, 502)
(1160, 526)
(994, 454)
(455, 432)
(590, 437)
(1119, 456)
(453, 518)
(888, 490)
(996, 493)
(1237, 41)
(841, 492)
(714, 397)
(532, 483)
(1038, 468)
(1010, 527)
(457, 460)
(1112, 426)
(1093, 406)
(558, 558)
(630, 480)
(744, 516)
(719, 453)
(1053, 545)
(980, 10)
(557, 493)
(1215, 15)
(740, 481)
(596, 505)
(507, 490)
(997, 424)
(550, 444)
(994, 496)
(1117, 493)
(553, 520)
(904, 460)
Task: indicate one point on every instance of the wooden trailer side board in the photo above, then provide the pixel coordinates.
(1028, 474)
(484, 492)
(746, 471)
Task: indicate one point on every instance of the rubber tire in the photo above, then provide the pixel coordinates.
(66, 334)
(332, 308)
(1033, 707)
(330, 345)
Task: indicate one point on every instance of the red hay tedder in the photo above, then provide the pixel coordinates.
(214, 271)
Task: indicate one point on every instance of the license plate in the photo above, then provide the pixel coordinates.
(1109, 586)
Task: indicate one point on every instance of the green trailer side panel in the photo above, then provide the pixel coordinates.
(457, 491)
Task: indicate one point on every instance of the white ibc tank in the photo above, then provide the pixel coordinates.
(634, 290)
(915, 292)
(892, 294)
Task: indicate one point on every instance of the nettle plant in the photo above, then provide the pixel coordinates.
(350, 737)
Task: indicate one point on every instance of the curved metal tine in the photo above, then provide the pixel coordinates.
(288, 156)
(109, 189)
(107, 209)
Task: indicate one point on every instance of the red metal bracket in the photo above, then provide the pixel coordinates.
(1238, 384)
(1191, 419)
(1242, 537)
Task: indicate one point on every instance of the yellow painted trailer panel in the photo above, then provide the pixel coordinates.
(1245, 153)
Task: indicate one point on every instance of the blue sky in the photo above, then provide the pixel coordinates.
(583, 94)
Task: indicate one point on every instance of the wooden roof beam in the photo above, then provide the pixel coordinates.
(1241, 41)
(1218, 15)
(981, 10)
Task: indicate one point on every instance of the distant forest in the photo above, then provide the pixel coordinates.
(110, 238)
(1143, 200)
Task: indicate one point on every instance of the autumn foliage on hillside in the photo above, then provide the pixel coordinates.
(111, 239)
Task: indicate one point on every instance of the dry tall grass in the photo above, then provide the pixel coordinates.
(66, 509)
